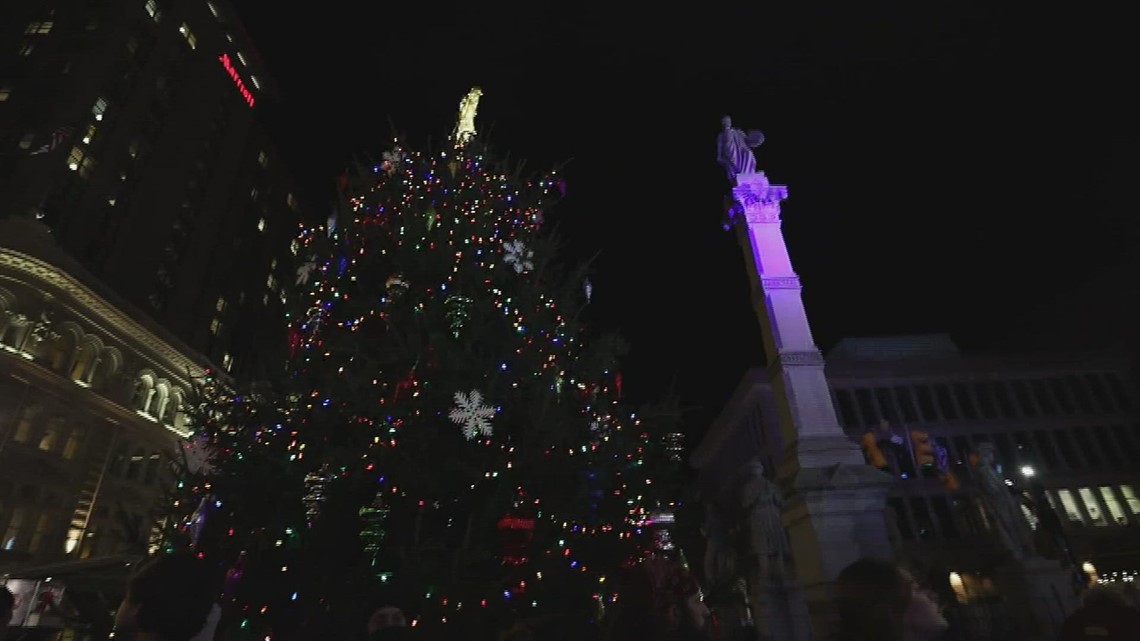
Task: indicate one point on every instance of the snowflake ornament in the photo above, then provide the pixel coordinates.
(305, 271)
(518, 256)
(472, 414)
(392, 160)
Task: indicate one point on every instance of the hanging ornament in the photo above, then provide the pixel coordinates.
(372, 532)
(516, 534)
(471, 414)
(397, 286)
(458, 311)
(316, 488)
(431, 216)
(198, 519)
(305, 271)
(392, 160)
(233, 578)
(516, 254)
(588, 288)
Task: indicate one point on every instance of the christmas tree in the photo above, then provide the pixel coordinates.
(445, 426)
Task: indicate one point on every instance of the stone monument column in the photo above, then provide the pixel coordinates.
(834, 504)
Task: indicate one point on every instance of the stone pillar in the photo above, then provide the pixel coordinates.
(1039, 595)
(834, 504)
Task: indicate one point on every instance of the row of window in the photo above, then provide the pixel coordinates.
(1087, 393)
(959, 516)
(1043, 451)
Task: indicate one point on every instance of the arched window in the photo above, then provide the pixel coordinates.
(144, 392)
(61, 351)
(134, 465)
(118, 461)
(153, 462)
(74, 441)
(160, 400)
(25, 421)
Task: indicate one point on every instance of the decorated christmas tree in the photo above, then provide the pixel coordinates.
(447, 427)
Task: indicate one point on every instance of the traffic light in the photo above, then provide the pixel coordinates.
(872, 453)
(923, 449)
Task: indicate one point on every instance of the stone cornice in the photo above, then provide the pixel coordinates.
(94, 309)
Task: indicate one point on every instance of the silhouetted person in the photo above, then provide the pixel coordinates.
(1104, 615)
(169, 598)
(879, 601)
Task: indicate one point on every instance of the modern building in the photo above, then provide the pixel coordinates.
(1063, 423)
(91, 410)
(130, 127)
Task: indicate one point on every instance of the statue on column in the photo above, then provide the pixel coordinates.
(761, 499)
(1005, 511)
(734, 149)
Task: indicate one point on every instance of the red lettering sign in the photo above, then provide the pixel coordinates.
(229, 66)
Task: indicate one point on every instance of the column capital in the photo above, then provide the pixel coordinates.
(757, 199)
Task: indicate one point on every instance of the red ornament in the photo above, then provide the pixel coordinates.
(617, 383)
(516, 534)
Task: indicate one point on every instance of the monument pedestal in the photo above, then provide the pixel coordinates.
(781, 612)
(834, 504)
(1038, 595)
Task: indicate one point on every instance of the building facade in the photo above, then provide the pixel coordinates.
(130, 128)
(1064, 426)
(91, 409)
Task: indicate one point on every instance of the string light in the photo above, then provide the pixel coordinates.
(436, 278)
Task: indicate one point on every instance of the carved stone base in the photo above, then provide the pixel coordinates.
(1039, 594)
(781, 612)
(834, 515)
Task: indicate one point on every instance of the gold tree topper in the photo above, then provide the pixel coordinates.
(465, 125)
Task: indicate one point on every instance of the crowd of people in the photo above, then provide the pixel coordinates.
(174, 597)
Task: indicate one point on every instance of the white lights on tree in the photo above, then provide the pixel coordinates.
(472, 414)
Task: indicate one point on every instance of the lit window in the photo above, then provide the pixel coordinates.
(273, 264)
(27, 140)
(133, 150)
(253, 193)
(255, 81)
(215, 327)
(5, 92)
(189, 35)
(1131, 498)
(271, 283)
(1115, 509)
(241, 57)
(39, 27)
(295, 246)
(152, 10)
(265, 299)
(90, 135)
(99, 108)
(220, 305)
(213, 10)
(227, 361)
(290, 201)
(262, 159)
(74, 158)
(1069, 504)
(27, 48)
(111, 202)
(261, 224)
(1092, 506)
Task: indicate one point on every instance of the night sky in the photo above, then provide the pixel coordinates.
(949, 169)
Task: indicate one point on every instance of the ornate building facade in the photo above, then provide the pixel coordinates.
(1064, 428)
(92, 398)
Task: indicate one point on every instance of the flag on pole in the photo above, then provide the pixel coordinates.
(56, 139)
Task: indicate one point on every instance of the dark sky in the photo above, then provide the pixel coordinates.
(949, 168)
